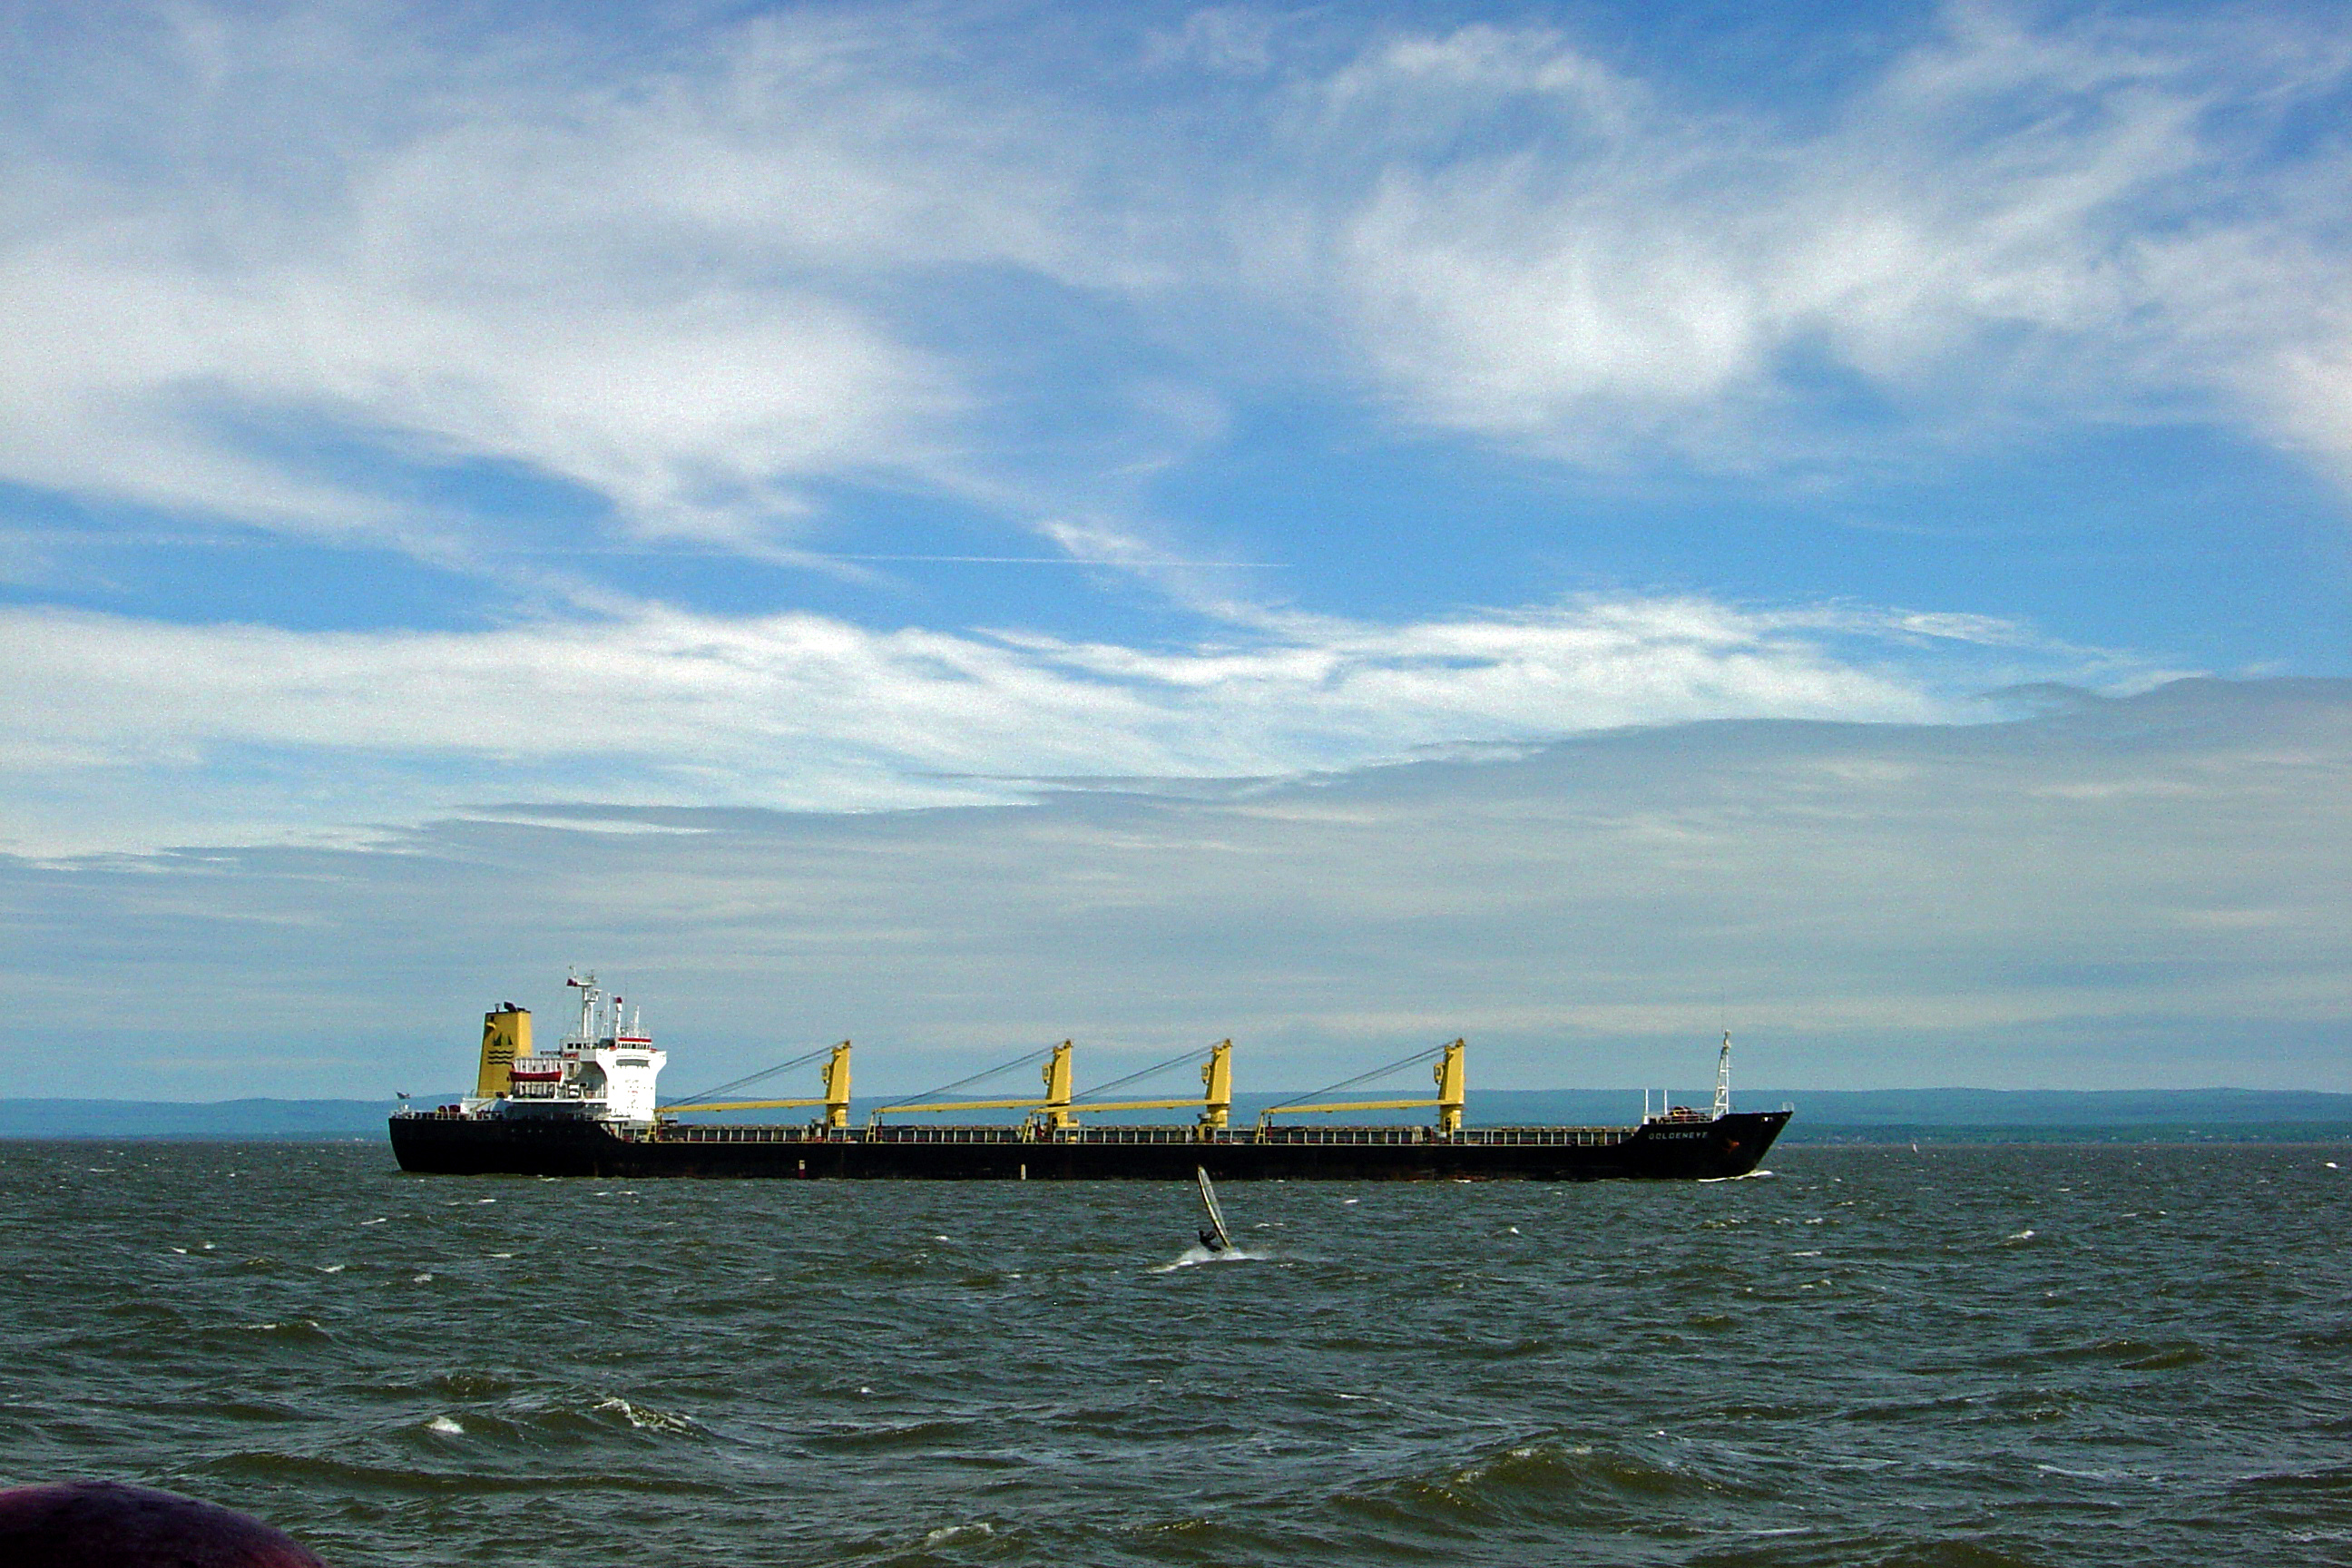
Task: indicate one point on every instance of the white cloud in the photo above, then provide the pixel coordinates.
(662, 289)
(2151, 891)
(2079, 222)
(128, 734)
(698, 279)
(1232, 41)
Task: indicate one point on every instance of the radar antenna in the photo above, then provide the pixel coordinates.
(589, 995)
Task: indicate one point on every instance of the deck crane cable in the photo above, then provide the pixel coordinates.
(985, 1072)
(1102, 1089)
(763, 1074)
(1362, 1077)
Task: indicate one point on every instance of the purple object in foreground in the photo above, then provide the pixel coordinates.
(104, 1524)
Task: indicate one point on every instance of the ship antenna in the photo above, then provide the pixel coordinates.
(588, 994)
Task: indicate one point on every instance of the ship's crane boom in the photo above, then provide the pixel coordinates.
(1452, 1077)
(835, 1098)
(1055, 1106)
(1060, 1109)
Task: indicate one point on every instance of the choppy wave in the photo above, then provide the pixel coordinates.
(954, 1534)
(1195, 1256)
(644, 1418)
(2020, 1356)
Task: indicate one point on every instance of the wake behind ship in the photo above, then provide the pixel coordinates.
(589, 1109)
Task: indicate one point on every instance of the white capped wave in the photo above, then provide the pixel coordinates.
(645, 1419)
(1197, 1254)
(978, 1531)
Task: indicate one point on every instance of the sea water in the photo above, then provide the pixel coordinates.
(1956, 1356)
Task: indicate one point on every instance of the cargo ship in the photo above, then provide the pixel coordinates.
(589, 1108)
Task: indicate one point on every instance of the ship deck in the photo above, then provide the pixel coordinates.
(1575, 1137)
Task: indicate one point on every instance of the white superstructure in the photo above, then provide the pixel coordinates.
(604, 1070)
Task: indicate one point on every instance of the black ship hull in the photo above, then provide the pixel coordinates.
(1700, 1149)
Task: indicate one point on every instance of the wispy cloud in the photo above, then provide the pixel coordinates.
(130, 733)
(667, 285)
(273, 267)
(2141, 891)
(597, 315)
(2019, 223)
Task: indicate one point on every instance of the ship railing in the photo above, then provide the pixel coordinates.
(1161, 1134)
(1353, 1135)
(769, 1133)
(1515, 1137)
(989, 1134)
(720, 1132)
(1584, 1137)
(1543, 1137)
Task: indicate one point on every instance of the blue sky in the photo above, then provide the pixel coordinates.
(422, 416)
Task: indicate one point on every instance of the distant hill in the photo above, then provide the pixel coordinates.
(207, 1118)
(2045, 1107)
(1823, 1115)
(1978, 1115)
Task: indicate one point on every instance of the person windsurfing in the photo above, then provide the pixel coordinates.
(1216, 1238)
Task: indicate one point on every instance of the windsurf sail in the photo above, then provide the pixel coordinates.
(1216, 1214)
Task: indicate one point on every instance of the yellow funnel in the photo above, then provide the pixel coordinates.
(505, 1034)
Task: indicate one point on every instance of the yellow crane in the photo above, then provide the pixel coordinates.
(1216, 1101)
(1059, 1109)
(1450, 1073)
(1055, 1106)
(835, 1098)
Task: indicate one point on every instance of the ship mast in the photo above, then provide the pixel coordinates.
(588, 995)
(1723, 1077)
